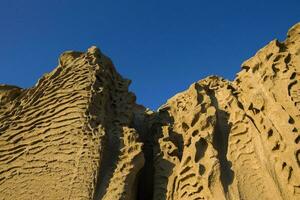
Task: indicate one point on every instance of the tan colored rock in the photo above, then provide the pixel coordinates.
(235, 140)
(186, 163)
(78, 134)
(70, 137)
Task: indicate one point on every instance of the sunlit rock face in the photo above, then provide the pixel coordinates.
(79, 134)
(70, 136)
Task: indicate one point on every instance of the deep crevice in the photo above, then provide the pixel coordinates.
(220, 143)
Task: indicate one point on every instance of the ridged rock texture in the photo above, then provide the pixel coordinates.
(79, 134)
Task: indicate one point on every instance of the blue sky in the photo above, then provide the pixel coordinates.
(161, 45)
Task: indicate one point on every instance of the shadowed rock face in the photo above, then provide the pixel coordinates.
(78, 134)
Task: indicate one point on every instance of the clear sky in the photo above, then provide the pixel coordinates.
(161, 45)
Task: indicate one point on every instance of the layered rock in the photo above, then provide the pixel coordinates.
(70, 136)
(78, 134)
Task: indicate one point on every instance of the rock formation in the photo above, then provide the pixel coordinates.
(78, 134)
(70, 136)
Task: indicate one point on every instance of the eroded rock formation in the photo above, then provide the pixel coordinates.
(78, 134)
(70, 136)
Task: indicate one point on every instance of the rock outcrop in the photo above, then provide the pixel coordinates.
(70, 136)
(79, 134)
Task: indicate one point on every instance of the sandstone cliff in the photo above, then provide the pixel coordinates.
(70, 136)
(78, 134)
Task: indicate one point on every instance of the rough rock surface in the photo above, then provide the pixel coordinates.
(78, 134)
(70, 136)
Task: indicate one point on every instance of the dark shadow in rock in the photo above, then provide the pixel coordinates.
(220, 143)
(146, 174)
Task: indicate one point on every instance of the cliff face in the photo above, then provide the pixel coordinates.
(78, 134)
(70, 136)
